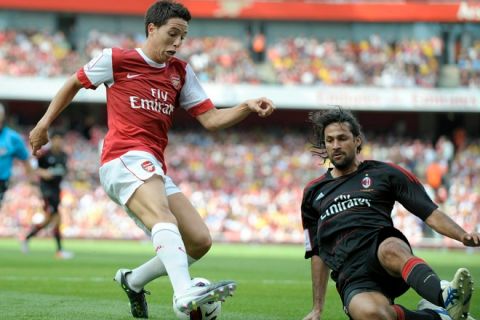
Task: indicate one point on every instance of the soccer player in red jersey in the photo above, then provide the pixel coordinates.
(144, 87)
(349, 233)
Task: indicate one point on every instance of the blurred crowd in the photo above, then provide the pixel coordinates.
(34, 53)
(469, 65)
(247, 188)
(371, 62)
(301, 60)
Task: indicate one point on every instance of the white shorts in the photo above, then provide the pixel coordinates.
(120, 177)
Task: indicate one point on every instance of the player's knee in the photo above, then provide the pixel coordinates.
(393, 248)
(198, 245)
(392, 253)
(201, 244)
(373, 312)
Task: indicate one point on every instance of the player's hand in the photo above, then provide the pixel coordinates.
(262, 106)
(38, 137)
(471, 239)
(313, 315)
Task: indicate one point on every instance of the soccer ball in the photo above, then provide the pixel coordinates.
(208, 311)
(38, 218)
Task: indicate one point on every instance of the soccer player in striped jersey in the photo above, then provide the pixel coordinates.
(349, 232)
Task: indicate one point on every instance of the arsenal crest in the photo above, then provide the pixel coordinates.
(175, 79)
(148, 166)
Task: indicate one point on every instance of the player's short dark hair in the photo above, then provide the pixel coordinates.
(161, 11)
(321, 119)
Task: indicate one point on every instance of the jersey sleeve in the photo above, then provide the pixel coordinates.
(192, 96)
(99, 70)
(310, 227)
(410, 192)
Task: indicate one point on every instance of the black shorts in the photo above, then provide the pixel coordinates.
(51, 201)
(364, 273)
(3, 189)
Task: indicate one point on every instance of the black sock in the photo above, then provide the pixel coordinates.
(418, 275)
(58, 238)
(405, 314)
(33, 232)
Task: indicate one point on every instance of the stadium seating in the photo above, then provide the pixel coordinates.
(302, 60)
(248, 191)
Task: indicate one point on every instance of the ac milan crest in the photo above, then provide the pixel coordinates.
(175, 81)
(366, 182)
(148, 166)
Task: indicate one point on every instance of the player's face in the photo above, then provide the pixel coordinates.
(167, 39)
(341, 145)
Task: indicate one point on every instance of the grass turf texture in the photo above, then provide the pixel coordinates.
(273, 281)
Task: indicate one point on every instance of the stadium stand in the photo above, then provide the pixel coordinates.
(428, 68)
(253, 186)
(300, 60)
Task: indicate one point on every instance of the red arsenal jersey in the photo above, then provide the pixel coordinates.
(141, 98)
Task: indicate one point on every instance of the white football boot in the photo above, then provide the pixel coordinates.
(457, 294)
(427, 305)
(196, 296)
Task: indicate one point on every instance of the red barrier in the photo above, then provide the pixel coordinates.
(429, 11)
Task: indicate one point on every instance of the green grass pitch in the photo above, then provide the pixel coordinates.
(273, 280)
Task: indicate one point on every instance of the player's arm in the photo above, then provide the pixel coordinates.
(216, 119)
(320, 272)
(444, 225)
(45, 174)
(412, 195)
(38, 165)
(194, 99)
(39, 135)
(319, 269)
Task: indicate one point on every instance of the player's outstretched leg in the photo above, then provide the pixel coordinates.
(426, 305)
(196, 296)
(457, 294)
(138, 303)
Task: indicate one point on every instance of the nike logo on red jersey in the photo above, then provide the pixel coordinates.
(131, 75)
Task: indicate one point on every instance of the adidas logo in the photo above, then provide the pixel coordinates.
(320, 196)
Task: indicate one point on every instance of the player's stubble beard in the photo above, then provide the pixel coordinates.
(343, 164)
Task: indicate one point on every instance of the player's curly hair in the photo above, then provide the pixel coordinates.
(321, 119)
(161, 11)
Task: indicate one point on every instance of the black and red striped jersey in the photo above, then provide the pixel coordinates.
(340, 214)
